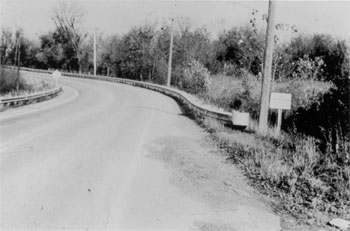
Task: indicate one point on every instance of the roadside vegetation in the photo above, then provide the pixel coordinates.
(12, 84)
(307, 167)
(309, 185)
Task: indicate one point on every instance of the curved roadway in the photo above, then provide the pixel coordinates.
(83, 161)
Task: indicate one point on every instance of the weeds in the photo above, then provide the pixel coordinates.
(11, 81)
(12, 84)
(243, 93)
(291, 168)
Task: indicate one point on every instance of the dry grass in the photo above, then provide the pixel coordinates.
(243, 94)
(12, 84)
(304, 92)
(222, 90)
(272, 131)
(311, 186)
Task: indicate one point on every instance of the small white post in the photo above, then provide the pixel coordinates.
(56, 75)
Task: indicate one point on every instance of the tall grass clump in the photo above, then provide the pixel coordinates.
(195, 78)
(231, 93)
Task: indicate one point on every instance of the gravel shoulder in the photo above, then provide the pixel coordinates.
(199, 170)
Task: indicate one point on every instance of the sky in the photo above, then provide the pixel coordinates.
(118, 17)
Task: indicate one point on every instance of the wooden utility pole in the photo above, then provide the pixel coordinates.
(18, 58)
(18, 55)
(266, 82)
(170, 53)
(18, 51)
(1, 45)
(95, 52)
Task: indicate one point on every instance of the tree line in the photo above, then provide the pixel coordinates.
(142, 53)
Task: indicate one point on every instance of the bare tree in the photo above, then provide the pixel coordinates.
(18, 37)
(67, 16)
(6, 44)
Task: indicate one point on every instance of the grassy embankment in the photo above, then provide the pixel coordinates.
(310, 185)
(12, 84)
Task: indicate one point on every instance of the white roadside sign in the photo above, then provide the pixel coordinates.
(280, 101)
(56, 75)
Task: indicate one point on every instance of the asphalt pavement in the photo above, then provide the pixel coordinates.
(82, 161)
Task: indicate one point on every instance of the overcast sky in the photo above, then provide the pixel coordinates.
(117, 17)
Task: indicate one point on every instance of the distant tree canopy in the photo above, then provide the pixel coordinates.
(63, 48)
(242, 48)
(142, 54)
(328, 120)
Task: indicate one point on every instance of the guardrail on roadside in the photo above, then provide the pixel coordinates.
(181, 97)
(19, 100)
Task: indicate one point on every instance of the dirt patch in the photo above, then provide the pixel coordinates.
(201, 173)
(207, 226)
(199, 169)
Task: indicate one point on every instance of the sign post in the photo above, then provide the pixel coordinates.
(280, 101)
(56, 75)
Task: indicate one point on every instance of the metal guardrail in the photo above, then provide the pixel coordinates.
(18, 100)
(178, 95)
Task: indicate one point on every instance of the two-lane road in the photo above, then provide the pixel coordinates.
(84, 160)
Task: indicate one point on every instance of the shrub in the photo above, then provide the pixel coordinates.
(249, 99)
(195, 78)
(222, 90)
(160, 73)
(306, 68)
(233, 70)
(241, 94)
(305, 92)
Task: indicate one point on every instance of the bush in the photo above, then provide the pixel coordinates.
(222, 90)
(233, 70)
(195, 78)
(306, 68)
(160, 74)
(304, 92)
(242, 94)
(249, 99)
